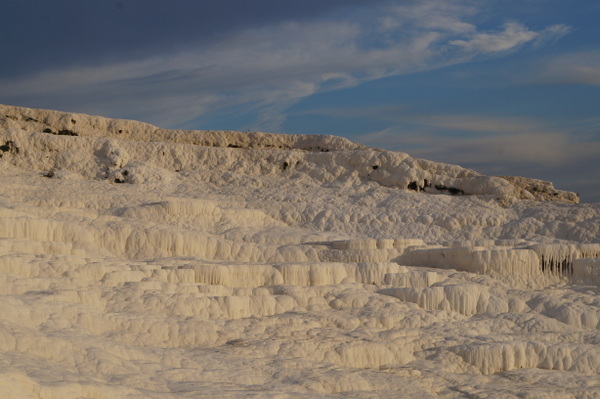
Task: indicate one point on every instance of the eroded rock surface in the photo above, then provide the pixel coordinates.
(137, 262)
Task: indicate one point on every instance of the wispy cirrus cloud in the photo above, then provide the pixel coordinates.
(572, 68)
(477, 139)
(511, 36)
(265, 69)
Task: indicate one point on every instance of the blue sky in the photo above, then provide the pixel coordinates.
(500, 86)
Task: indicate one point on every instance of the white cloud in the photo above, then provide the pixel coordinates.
(494, 142)
(433, 15)
(478, 123)
(574, 68)
(513, 35)
(266, 68)
(552, 33)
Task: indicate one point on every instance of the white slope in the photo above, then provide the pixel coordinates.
(137, 262)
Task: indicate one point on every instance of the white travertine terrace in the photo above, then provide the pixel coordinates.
(138, 262)
(586, 270)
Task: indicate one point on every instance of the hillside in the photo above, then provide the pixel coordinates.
(139, 262)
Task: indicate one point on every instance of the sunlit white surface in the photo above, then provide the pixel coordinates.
(137, 262)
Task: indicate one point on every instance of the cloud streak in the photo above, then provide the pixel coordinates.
(266, 69)
(510, 37)
(573, 68)
(476, 139)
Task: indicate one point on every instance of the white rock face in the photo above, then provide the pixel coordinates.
(137, 262)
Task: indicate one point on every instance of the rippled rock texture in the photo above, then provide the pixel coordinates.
(137, 262)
